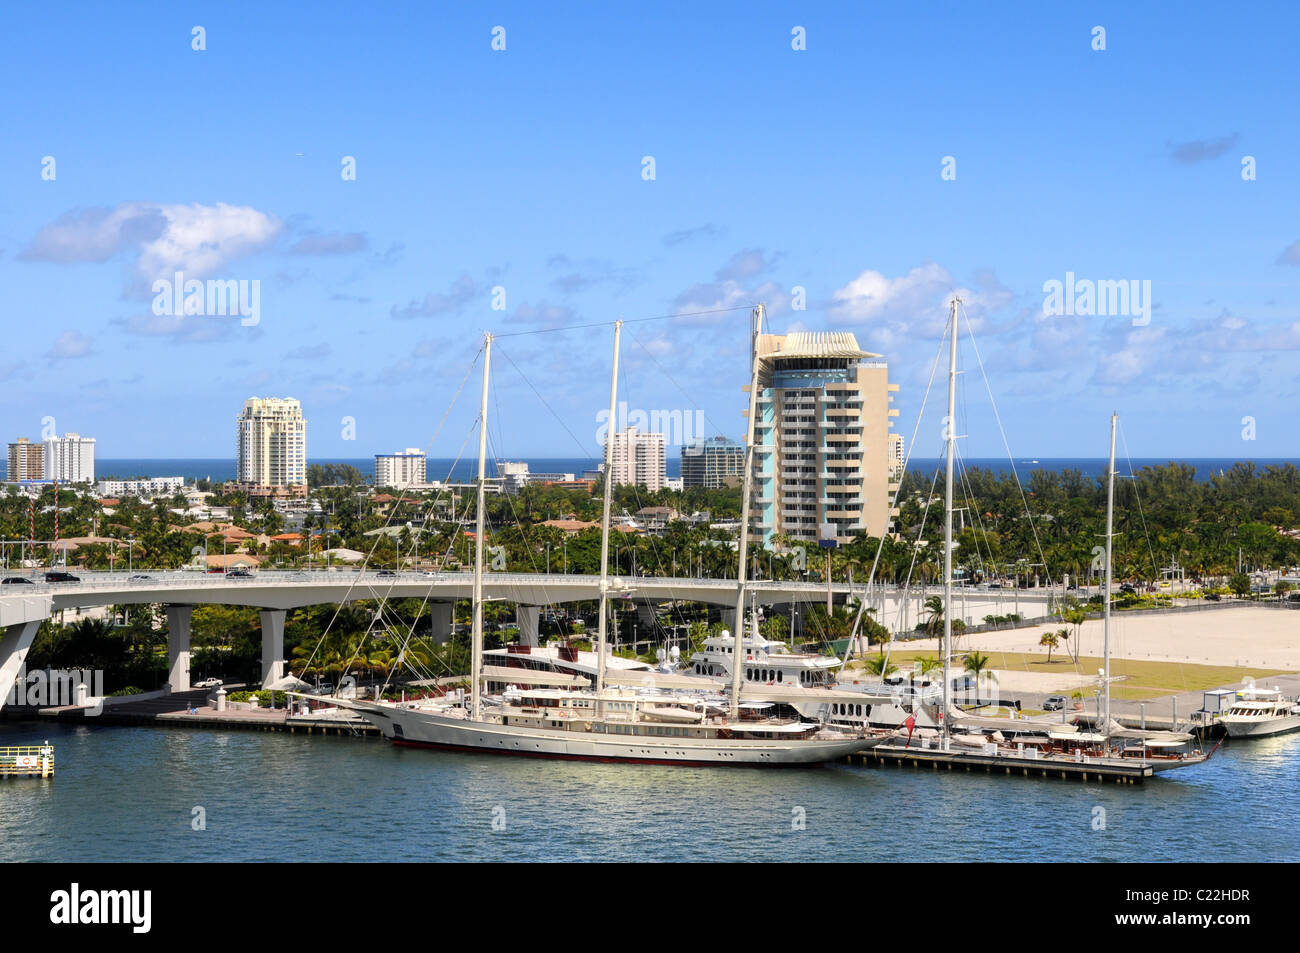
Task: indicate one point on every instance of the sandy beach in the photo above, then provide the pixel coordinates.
(1233, 635)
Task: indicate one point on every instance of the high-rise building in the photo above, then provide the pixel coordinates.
(272, 442)
(896, 456)
(70, 458)
(821, 439)
(712, 463)
(26, 461)
(406, 468)
(637, 457)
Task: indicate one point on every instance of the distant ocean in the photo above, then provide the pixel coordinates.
(222, 469)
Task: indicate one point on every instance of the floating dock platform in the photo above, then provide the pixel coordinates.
(1117, 770)
(27, 761)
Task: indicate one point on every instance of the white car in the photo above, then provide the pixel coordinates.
(208, 683)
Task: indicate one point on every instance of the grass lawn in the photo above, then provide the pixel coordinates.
(1146, 679)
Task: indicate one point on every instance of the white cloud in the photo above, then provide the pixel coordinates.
(872, 296)
(199, 240)
(69, 345)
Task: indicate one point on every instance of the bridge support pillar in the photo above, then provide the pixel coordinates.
(15, 640)
(440, 622)
(272, 645)
(178, 647)
(528, 617)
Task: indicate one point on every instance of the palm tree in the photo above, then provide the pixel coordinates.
(934, 624)
(1051, 640)
(880, 666)
(978, 664)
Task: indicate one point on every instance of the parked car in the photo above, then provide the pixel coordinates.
(16, 581)
(61, 577)
(208, 683)
(1054, 703)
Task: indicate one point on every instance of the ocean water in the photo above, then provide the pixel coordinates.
(129, 794)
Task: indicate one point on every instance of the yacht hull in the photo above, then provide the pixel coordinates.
(1261, 728)
(423, 729)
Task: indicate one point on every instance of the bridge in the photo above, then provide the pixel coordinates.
(273, 593)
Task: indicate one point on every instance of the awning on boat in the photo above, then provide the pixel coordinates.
(663, 680)
(528, 676)
(796, 694)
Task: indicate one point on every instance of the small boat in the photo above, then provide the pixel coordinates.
(1260, 712)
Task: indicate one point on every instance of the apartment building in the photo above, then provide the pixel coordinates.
(405, 468)
(637, 457)
(271, 442)
(712, 463)
(26, 461)
(822, 461)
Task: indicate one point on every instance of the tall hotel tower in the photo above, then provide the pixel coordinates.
(821, 439)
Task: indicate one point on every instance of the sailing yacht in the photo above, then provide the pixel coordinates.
(654, 718)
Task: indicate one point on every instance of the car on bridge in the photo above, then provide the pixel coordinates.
(238, 574)
(16, 581)
(61, 577)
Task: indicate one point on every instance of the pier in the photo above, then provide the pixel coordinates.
(192, 710)
(27, 761)
(1116, 770)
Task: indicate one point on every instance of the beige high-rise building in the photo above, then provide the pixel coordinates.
(637, 457)
(272, 442)
(26, 460)
(822, 461)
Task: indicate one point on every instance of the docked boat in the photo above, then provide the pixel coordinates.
(654, 718)
(1260, 712)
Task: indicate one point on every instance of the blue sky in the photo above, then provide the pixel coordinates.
(523, 169)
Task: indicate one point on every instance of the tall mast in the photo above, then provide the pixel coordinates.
(604, 521)
(476, 641)
(1110, 518)
(742, 544)
(950, 435)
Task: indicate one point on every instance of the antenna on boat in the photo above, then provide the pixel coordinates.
(950, 437)
(742, 542)
(604, 520)
(476, 641)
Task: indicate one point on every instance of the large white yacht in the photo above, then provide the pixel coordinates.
(1259, 712)
(626, 716)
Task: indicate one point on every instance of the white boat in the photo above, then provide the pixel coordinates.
(612, 722)
(1260, 712)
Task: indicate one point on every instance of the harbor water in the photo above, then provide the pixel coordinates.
(139, 793)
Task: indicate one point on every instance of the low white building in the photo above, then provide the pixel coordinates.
(155, 486)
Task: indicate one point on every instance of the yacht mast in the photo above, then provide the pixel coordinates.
(604, 522)
(476, 640)
(1110, 517)
(950, 435)
(742, 543)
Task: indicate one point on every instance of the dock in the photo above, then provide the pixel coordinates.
(192, 710)
(1026, 764)
(27, 761)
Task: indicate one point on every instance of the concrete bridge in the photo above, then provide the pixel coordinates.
(273, 592)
